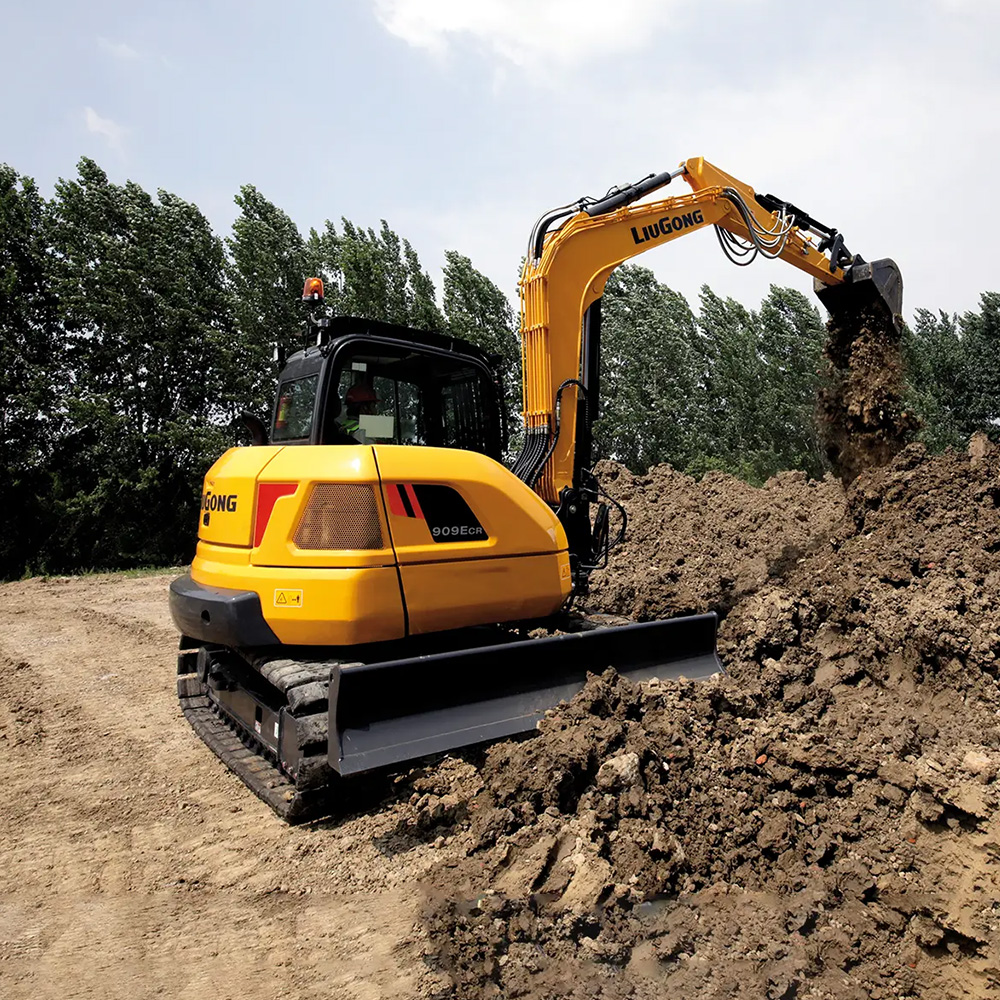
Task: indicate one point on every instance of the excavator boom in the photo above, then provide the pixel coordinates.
(567, 268)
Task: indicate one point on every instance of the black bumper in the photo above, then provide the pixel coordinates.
(218, 615)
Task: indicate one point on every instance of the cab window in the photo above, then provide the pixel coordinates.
(461, 406)
(293, 414)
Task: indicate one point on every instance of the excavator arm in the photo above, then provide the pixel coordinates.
(567, 267)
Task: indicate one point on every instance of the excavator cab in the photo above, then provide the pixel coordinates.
(377, 383)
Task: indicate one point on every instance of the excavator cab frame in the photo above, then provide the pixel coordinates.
(445, 378)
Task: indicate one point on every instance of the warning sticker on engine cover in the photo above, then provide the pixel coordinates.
(288, 598)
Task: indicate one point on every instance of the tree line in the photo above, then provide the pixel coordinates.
(132, 335)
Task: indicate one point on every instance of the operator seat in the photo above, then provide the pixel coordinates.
(333, 433)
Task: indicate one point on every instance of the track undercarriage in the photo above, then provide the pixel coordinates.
(266, 717)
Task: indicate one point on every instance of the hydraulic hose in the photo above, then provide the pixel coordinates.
(536, 470)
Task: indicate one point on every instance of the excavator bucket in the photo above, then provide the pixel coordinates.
(866, 284)
(386, 713)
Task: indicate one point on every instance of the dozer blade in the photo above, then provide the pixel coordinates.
(385, 713)
(865, 284)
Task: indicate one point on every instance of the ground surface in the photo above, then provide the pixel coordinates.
(133, 864)
(823, 822)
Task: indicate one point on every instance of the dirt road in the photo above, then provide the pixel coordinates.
(134, 865)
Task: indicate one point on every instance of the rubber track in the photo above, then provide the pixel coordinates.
(304, 684)
(258, 774)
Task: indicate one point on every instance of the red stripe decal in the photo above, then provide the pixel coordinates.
(411, 493)
(267, 495)
(395, 500)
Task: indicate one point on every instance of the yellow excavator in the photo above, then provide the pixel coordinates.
(368, 571)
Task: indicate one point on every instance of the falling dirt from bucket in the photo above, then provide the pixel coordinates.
(862, 417)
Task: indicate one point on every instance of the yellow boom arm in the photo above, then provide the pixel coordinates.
(558, 286)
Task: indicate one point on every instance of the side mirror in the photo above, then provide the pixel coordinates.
(253, 423)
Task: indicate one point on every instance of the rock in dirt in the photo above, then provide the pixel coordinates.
(981, 448)
(619, 772)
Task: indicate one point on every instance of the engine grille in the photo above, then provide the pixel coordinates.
(340, 516)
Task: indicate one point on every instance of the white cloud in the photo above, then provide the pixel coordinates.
(120, 50)
(529, 33)
(111, 130)
(886, 180)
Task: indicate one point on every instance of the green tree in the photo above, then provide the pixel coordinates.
(935, 368)
(791, 347)
(378, 276)
(148, 326)
(31, 369)
(477, 311)
(759, 375)
(269, 264)
(732, 380)
(980, 350)
(648, 374)
(954, 387)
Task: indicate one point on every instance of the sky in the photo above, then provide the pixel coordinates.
(459, 122)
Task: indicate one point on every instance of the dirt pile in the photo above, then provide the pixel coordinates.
(862, 418)
(702, 546)
(822, 822)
